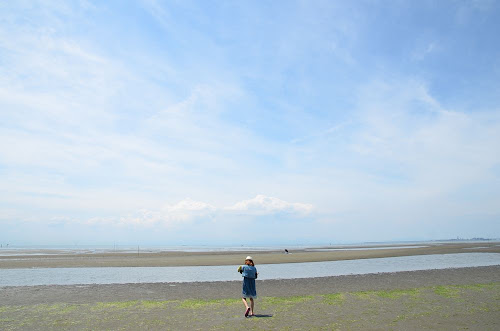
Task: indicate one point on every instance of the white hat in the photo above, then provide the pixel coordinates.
(249, 258)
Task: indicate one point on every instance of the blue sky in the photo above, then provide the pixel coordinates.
(248, 122)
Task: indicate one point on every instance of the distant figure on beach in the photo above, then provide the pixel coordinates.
(286, 251)
(249, 273)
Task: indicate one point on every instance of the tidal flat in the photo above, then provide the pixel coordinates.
(446, 299)
(437, 299)
(446, 307)
(43, 258)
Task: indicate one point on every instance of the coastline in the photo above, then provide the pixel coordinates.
(178, 258)
(465, 298)
(79, 294)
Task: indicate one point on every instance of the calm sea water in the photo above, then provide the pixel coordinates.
(16, 250)
(71, 276)
(361, 248)
(93, 249)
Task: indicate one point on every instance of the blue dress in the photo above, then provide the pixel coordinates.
(249, 274)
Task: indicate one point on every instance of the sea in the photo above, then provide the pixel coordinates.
(172, 275)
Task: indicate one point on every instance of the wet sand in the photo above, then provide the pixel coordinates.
(23, 295)
(61, 259)
(448, 299)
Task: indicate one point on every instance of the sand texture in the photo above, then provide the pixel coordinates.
(449, 299)
(59, 259)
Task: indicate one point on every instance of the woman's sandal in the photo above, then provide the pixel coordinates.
(247, 311)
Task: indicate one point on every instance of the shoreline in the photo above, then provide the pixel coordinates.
(22, 295)
(178, 258)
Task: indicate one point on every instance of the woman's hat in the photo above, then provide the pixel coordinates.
(249, 258)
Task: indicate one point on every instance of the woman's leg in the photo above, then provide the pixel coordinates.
(252, 305)
(247, 309)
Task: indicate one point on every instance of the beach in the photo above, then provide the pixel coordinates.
(433, 299)
(449, 299)
(145, 258)
(22, 295)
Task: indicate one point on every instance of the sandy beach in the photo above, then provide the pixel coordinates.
(448, 299)
(60, 259)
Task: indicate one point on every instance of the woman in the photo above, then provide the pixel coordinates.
(249, 273)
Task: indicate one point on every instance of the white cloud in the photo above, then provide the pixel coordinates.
(262, 204)
(189, 205)
(403, 125)
(187, 211)
(183, 212)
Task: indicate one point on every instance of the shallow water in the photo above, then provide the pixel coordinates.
(64, 250)
(360, 248)
(70, 276)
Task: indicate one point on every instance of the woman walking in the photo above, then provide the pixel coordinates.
(249, 273)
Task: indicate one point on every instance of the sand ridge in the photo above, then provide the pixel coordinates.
(177, 258)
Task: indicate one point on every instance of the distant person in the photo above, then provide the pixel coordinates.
(286, 251)
(249, 273)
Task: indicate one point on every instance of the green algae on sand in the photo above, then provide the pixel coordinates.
(450, 306)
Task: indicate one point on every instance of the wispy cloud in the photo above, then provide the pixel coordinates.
(427, 49)
(347, 115)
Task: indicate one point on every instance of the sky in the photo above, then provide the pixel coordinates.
(248, 122)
